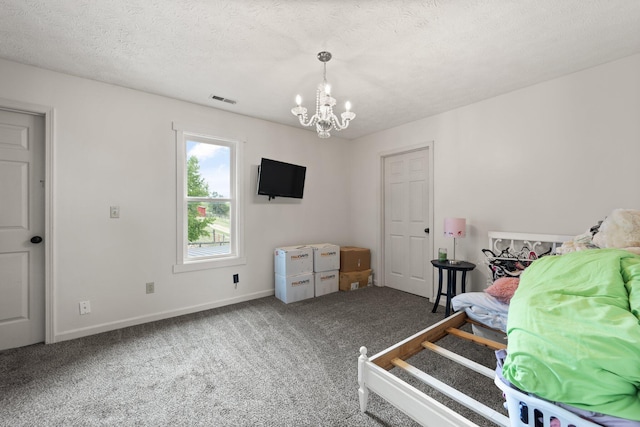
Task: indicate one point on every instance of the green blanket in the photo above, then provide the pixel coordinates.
(574, 331)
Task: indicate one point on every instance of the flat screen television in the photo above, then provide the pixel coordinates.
(280, 179)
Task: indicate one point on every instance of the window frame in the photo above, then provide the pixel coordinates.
(236, 208)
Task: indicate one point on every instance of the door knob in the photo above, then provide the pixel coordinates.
(36, 239)
(426, 230)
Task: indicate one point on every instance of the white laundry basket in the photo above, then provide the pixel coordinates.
(524, 409)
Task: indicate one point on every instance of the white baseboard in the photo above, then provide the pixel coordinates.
(119, 324)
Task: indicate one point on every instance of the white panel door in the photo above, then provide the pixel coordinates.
(406, 221)
(22, 294)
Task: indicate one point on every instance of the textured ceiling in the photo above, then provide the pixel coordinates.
(396, 61)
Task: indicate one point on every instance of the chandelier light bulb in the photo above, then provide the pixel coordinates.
(324, 119)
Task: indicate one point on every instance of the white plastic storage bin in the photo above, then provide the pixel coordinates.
(294, 288)
(326, 282)
(524, 409)
(326, 257)
(292, 260)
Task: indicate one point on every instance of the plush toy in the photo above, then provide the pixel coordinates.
(621, 230)
(578, 243)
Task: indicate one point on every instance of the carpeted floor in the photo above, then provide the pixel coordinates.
(258, 363)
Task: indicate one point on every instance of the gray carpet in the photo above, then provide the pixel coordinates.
(258, 363)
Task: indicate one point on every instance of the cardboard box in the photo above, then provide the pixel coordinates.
(294, 288)
(292, 260)
(326, 257)
(354, 259)
(352, 280)
(326, 282)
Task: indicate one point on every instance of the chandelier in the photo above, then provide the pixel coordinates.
(324, 119)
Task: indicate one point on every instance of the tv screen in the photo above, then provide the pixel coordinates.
(280, 179)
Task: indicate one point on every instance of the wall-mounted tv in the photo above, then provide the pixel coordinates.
(280, 179)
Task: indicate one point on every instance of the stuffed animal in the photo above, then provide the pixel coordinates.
(578, 243)
(621, 230)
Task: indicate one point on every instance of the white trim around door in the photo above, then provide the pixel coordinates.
(381, 201)
(48, 114)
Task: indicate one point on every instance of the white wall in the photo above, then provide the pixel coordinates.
(116, 146)
(551, 158)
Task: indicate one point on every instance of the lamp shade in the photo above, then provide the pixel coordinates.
(455, 227)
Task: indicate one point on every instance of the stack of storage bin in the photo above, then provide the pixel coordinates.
(294, 273)
(355, 268)
(326, 266)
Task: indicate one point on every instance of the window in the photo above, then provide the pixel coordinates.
(209, 209)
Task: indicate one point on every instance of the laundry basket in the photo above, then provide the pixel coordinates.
(529, 411)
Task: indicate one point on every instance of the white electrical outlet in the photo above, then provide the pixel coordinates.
(85, 307)
(114, 212)
(151, 287)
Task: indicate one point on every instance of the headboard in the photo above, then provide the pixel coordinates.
(510, 253)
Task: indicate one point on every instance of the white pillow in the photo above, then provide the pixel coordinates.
(483, 308)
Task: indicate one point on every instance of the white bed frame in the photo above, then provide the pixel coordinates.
(374, 372)
(513, 243)
(374, 375)
(539, 243)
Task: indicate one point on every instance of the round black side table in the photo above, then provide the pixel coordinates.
(452, 271)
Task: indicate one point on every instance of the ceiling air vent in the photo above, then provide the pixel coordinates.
(222, 99)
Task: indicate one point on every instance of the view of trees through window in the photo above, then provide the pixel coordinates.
(208, 197)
